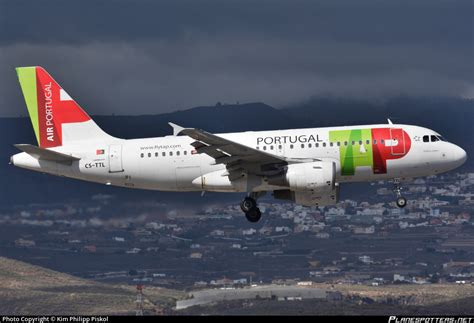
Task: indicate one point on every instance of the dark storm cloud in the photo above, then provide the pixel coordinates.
(153, 56)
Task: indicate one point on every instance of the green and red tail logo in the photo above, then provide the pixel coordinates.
(49, 106)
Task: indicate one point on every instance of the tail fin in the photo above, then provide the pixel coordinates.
(56, 118)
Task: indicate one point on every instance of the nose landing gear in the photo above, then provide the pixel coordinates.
(249, 207)
(401, 201)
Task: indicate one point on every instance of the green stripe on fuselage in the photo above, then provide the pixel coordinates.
(352, 156)
(27, 77)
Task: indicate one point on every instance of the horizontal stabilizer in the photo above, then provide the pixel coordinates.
(46, 154)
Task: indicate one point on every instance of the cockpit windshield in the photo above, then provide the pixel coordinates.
(433, 138)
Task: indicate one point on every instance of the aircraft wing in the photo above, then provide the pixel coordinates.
(230, 153)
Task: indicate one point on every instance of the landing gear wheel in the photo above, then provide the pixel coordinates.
(397, 189)
(401, 201)
(248, 204)
(253, 215)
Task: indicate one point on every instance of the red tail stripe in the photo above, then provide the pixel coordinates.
(52, 112)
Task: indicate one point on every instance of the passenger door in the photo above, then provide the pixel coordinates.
(115, 159)
(397, 146)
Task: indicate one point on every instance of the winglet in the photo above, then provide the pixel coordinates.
(176, 129)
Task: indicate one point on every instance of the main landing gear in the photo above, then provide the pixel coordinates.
(249, 207)
(401, 201)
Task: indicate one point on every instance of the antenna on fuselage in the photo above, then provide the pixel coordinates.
(389, 121)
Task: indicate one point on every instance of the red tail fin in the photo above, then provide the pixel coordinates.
(51, 108)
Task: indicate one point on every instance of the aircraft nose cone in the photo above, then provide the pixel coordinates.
(460, 155)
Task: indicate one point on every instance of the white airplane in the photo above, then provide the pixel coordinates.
(305, 166)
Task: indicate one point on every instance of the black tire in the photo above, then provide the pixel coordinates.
(401, 202)
(248, 204)
(253, 215)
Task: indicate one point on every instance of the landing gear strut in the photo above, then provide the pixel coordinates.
(401, 201)
(249, 207)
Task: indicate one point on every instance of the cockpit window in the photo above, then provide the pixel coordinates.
(441, 138)
(434, 138)
(426, 138)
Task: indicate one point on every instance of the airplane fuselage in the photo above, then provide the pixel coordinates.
(360, 153)
(305, 166)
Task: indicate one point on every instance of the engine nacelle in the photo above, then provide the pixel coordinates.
(310, 198)
(310, 184)
(314, 176)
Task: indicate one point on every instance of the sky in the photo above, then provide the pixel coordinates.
(146, 57)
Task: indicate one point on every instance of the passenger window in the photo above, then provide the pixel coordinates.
(375, 141)
(309, 145)
(317, 145)
(149, 154)
(163, 154)
(353, 142)
(264, 147)
(291, 146)
(434, 138)
(271, 147)
(258, 148)
(338, 143)
(426, 138)
(367, 142)
(345, 143)
(171, 153)
(330, 144)
(142, 155)
(302, 145)
(324, 144)
(185, 152)
(360, 142)
(279, 147)
(156, 154)
(382, 141)
(177, 153)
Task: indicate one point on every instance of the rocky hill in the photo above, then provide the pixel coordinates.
(32, 290)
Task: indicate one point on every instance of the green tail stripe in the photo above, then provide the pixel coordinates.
(27, 77)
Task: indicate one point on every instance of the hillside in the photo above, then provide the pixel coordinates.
(32, 290)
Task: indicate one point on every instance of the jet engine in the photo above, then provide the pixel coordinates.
(316, 176)
(309, 184)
